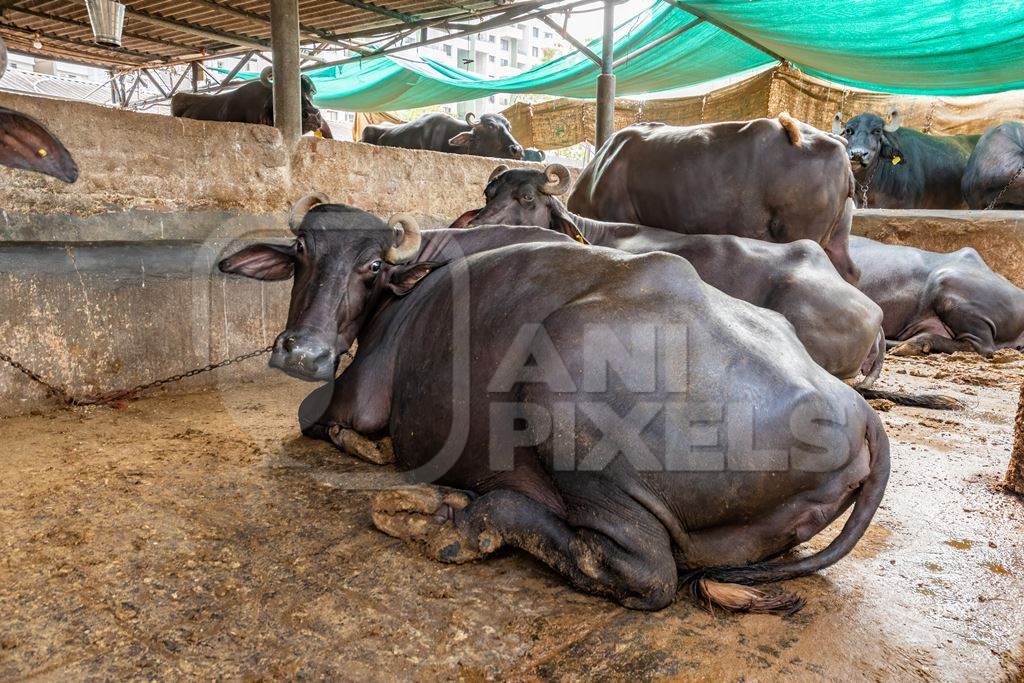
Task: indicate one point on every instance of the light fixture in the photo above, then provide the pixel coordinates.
(107, 19)
(36, 43)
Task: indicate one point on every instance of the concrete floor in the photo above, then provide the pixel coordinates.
(199, 535)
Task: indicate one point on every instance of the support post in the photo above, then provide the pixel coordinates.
(194, 76)
(606, 81)
(1015, 471)
(284, 38)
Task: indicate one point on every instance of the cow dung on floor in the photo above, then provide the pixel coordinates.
(199, 535)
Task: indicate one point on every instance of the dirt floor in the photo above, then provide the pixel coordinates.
(199, 535)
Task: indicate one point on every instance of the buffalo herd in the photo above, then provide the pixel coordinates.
(659, 385)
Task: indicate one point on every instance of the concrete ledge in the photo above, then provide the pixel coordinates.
(100, 316)
(997, 235)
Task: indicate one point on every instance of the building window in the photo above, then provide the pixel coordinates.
(448, 50)
(504, 43)
(491, 58)
(536, 32)
(490, 39)
(536, 52)
(504, 62)
(547, 34)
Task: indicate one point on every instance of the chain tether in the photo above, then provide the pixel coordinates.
(1006, 187)
(62, 395)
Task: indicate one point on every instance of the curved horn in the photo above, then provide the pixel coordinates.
(837, 123)
(3, 57)
(409, 242)
(894, 122)
(498, 170)
(471, 119)
(302, 207)
(266, 75)
(558, 180)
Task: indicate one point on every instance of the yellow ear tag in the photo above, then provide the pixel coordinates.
(317, 134)
(579, 238)
(896, 160)
(41, 152)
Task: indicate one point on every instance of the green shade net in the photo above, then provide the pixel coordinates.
(934, 47)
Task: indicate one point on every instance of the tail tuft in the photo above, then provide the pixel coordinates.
(792, 128)
(733, 597)
(932, 401)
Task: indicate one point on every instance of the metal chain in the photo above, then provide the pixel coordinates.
(65, 397)
(863, 189)
(1005, 188)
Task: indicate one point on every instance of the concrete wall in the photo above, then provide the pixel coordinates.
(997, 235)
(134, 164)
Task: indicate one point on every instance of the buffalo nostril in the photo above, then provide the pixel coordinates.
(289, 343)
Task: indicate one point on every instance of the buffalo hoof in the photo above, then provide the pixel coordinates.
(424, 516)
(911, 348)
(357, 445)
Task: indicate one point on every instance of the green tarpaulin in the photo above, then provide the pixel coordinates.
(934, 47)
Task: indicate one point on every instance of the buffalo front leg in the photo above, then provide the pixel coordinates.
(318, 420)
(928, 342)
(635, 568)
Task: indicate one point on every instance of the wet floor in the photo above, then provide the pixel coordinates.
(199, 535)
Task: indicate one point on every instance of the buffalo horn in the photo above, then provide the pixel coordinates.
(558, 180)
(302, 207)
(266, 75)
(894, 122)
(837, 123)
(471, 118)
(498, 170)
(409, 240)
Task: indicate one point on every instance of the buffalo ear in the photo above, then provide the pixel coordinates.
(465, 219)
(26, 144)
(561, 221)
(462, 139)
(889, 150)
(261, 262)
(405, 277)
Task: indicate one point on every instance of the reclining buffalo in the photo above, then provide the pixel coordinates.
(902, 168)
(769, 179)
(939, 302)
(664, 434)
(840, 327)
(994, 177)
(490, 136)
(249, 103)
(26, 144)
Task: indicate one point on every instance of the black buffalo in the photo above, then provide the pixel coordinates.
(939, 302)
(902, 168)
(839, 326)
(995, 171)
(534, 154)
(25, 143)
(609, 413)
(249, 103)
(770, 179)
(491, 136)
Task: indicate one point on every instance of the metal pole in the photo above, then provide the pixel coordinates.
(606, 81)
(284, 38)
(194, 72)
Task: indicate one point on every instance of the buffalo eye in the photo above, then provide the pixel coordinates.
(375, 267)
(528, 198)
(300, 246)
(848, 131)
(876, 131)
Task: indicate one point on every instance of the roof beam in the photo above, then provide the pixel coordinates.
(568, 36)
(83, 24)
(686, 7)
(81, 43)
(192, 29)
(655, 43)
(384, 11)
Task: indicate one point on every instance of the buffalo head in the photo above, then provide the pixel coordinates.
(524, 197)
(342, 261)
(869, 137)
(312, 120)
(491, 136)
(26, 143)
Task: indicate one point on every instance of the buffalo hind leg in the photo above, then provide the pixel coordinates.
(637, 570)
(928, 342)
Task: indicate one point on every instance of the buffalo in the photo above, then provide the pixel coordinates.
(612, 415)
(939, 303)
(777, 180)
(249, 103)
(490, 136)
(902, 168)
(994, 177)
(840, 327)
(26, 144)
(534, 154)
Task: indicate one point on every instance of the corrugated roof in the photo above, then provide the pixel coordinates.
(162, 31)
